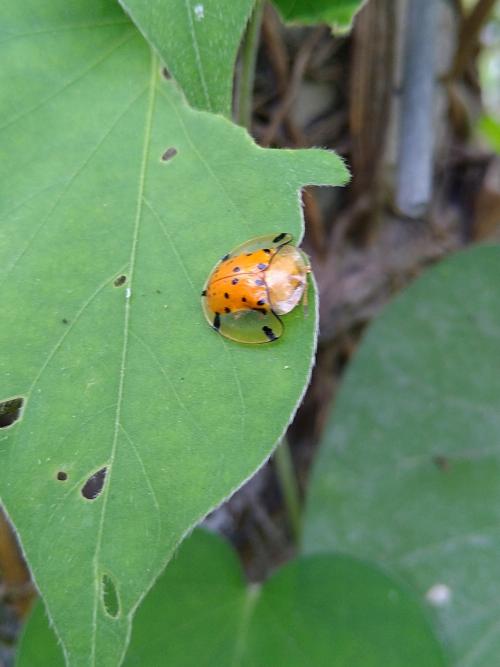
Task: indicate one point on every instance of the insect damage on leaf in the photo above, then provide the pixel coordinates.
(169, 154)
(10, 411)
(121, 280)
(94, 485)
(110, 598)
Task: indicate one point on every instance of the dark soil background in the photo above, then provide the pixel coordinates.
(366, 241)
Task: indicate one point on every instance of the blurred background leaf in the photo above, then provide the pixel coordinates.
(326, 611)
(407, 474)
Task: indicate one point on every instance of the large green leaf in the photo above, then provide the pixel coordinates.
(198, 41)
(326, 611)
(408, 473)
(337, 13)
(129, 397)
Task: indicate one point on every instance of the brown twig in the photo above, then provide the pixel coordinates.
(314, 222)
(275, 47)
(298, 71)
(469, 36)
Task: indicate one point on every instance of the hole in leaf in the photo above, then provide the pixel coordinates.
(62, 476)
(442, 463)
(169, 154)
(165, 73)
(110, 596)
(10, 411)
(121, 280)
(94, 485)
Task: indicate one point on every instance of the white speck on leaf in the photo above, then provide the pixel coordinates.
(438, 595)
(199, 12)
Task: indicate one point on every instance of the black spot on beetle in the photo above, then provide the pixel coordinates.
(269, 333)
(266, 250)
(216, 324)
(94, 485)
(235, 281)
(169, 154)
(261, 302)
(10, 411)
(204, 293)
(260, 282)
(225, 258)
(243, 299)
(121, 280)
(236, 269)
(227, 310)
(279, 238)
(249, 254)
(226, 295)
(62, 476)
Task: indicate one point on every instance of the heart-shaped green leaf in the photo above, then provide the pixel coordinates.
(408, 471)
(198, 41)
(117, 199)
(337, 13)
(326, 611)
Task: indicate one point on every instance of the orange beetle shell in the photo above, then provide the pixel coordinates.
(254, 284)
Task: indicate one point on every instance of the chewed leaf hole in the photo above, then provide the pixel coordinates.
(442, 463)
(169, 154)
(94, 485)
(62, 476)
(121, 280)
(10, 411)
(110, 597)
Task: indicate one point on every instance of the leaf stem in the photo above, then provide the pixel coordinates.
(289, 487)
(248, 60)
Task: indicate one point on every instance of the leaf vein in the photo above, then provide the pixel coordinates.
(67, 187)
(68, 28)
(150, 486)
(126, 327)
(204, 162)
(169, 381)
(69, 83)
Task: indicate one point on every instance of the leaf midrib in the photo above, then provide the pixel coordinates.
(125, 347)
